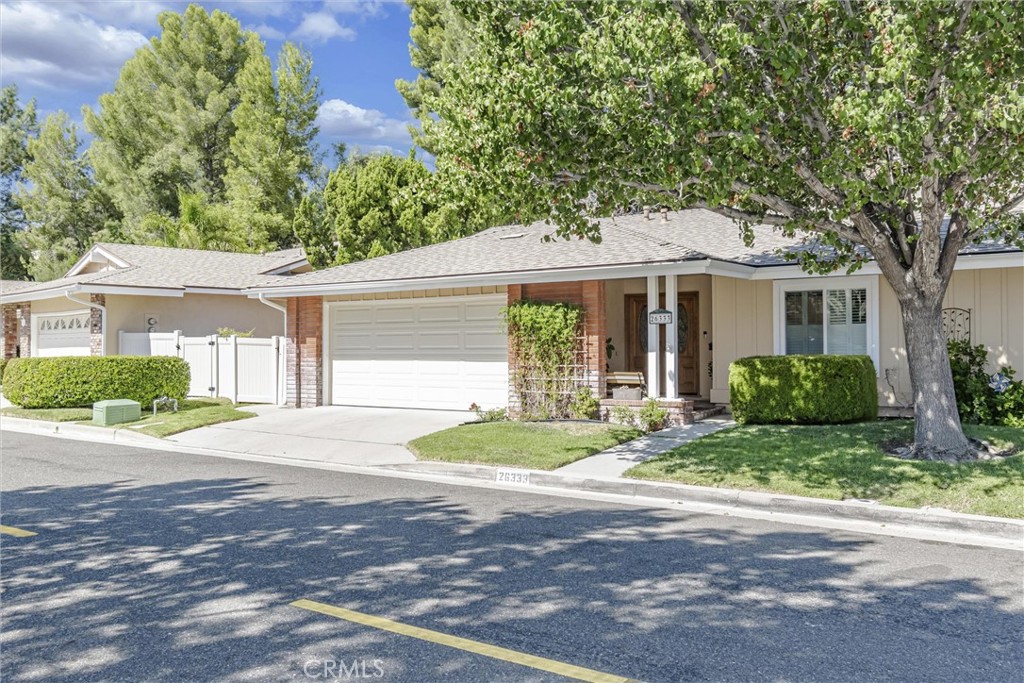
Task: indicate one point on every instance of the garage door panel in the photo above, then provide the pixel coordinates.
(425, 355)
(494, 341)
(437, 342)
(395, 314)
(354, 315)
(433, 313)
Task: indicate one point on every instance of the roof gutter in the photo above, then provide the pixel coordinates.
(696, 267)
(103, 318)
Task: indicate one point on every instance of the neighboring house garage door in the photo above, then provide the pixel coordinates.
(63, 334)
(419, 353)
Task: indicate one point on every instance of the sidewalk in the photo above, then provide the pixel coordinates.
(860, 516)
(617, 459)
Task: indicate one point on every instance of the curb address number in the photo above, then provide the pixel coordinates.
(507, 476)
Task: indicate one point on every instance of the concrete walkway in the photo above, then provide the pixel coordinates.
(331, 434)
(617, 459)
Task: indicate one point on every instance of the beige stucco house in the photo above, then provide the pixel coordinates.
(119, 287)
(423, 328)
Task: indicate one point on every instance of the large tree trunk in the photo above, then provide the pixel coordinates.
(938, 434)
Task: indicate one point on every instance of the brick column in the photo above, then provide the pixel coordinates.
(10, 339)
(591, 295)
(304, 354)
(25, 330)
(596, 331)
(96, 330)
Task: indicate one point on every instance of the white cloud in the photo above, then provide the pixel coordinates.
(48, 46)
(366, 8)
(142, 13)
(319, 27)
(341, 119)
(267, 32)
(259, 8)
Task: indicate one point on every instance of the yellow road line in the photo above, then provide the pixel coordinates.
(561, 668)
(15, 531)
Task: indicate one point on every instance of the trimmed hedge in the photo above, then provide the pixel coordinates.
(803, 389)
(80, 381)
(3, 368)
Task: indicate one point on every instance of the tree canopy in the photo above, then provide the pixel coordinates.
(18, 123)
(884, 130)
(198, 111)
(63, 206)
(374, 205)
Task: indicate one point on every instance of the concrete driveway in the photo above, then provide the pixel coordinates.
(336, 434)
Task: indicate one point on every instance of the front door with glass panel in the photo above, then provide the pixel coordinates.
(686, 329)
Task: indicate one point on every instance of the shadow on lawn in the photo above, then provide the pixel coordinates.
(827, 458)
(190, 580)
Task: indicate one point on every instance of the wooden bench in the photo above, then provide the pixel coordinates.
(625, 379)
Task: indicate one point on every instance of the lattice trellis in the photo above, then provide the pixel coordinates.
(956, 324)
(550, 395)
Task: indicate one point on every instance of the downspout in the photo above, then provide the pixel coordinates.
(263, 300)
(280, 398)
(103, 319)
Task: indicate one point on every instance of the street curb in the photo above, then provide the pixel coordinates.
(118, 435)
(937, 519)
(931, 519)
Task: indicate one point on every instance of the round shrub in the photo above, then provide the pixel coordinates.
(80, 381)
(3, 368)
(803, 389)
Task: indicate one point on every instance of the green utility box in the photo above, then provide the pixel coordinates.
(115, 411)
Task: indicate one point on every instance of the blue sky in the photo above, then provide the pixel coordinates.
(65, 54)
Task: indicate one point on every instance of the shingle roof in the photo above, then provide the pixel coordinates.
(625, 240)
(8, 286)
(168, 268)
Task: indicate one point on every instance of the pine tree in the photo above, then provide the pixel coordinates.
(17, 124)
(63, 206)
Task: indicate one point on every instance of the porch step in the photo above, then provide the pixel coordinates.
(702, 411)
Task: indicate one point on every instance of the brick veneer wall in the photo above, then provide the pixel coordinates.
(588, 293)
(96, 330)
(304, 353)
(10, 338)
(25, 329)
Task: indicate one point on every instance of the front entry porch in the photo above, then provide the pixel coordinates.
(674, 358)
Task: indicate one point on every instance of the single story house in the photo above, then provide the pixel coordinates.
(423, 328)
(123, 287)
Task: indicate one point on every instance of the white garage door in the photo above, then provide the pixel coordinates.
(434, 353)
(63, 334)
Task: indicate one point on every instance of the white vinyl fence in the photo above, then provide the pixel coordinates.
(243, 369)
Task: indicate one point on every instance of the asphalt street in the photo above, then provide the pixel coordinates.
(159, 566)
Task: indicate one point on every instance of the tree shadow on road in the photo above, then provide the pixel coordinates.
(191, 580)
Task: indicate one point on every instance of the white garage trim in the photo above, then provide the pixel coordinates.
(78, 333)
(433, 352)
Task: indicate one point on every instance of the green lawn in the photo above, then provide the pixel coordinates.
(533, 445)
(846, 461)
(50, 414)
(192, 413)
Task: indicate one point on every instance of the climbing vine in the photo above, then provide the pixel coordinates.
(548, 360)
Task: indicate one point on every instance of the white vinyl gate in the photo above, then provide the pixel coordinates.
(243, 369)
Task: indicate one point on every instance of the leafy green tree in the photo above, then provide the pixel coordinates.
(862, 125)
(272, 148)
(17, 124)
(373, 207)
(197, 112)
(313, 232)
(198, 225)
(441, 38)
(63, 206)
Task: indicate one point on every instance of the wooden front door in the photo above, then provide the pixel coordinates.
(688, 353)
